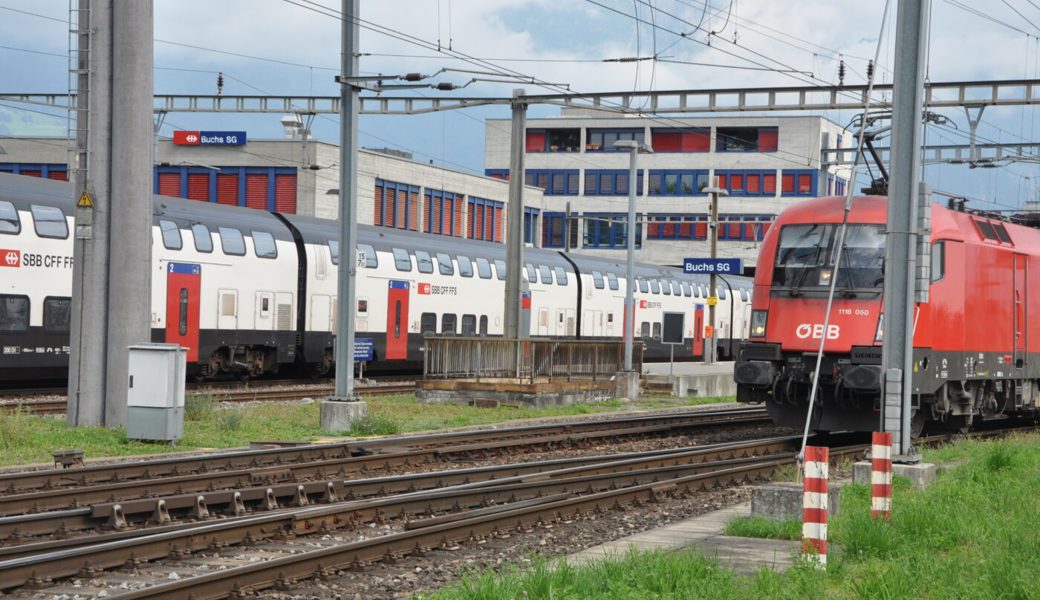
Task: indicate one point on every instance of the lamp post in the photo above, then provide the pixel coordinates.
(633, 148)
(714, 191)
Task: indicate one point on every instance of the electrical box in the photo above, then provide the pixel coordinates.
(155, 397)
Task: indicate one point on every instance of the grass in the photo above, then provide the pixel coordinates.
(760, 527)
(28, 438)
(972, 534)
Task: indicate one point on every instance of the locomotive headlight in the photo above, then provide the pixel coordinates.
(758, 323)
(879, 335)
(825, 276)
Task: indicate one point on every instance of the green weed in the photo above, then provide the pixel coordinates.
(199, 407)
(759, 527)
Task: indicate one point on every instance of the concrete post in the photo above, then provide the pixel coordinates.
(901, 245)
(130, 242)
(630, 258)
(515, 220)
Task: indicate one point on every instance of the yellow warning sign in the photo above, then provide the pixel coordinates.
(712, 300)
(85, 201)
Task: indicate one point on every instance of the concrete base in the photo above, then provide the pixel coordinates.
(920, 474)
(782, 501)
(626, 385)
(337, 416)
(491, 392)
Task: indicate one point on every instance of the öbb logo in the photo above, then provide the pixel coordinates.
(815, 331)
(10, 258)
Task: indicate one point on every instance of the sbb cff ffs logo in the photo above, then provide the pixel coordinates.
(10, 258)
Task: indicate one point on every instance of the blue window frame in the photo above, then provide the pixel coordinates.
(530, 224)
(678, 182)
(502, 174)
(607, 230)
(555, 182)
(799, 182)
(483, 217)
(554, 230)
(610, 182)
(211, 180)
(602, 139)
(396, 205)
(748, 182)
(744, 227)
(663, 226)
(441, 212)
(44, 170)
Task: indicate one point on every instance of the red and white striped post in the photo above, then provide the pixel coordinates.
(881, 475)
(814, 504)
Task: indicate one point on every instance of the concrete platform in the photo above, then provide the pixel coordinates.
(701, 380)
(744, 555)
(920, 474)
(491, 392)
(783, 501)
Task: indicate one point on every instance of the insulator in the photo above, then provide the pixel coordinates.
(841, 72)
(870, 69)
(413, 77)
(445, 87)
(220, 83)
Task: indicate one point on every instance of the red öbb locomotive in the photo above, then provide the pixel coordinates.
(975, 348)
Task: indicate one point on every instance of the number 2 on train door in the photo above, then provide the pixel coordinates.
(397, 320)
(183, 281)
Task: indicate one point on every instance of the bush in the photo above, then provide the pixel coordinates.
(759, 527)
(199, 407)
(375, 425)
(230, 421)
(15, 429)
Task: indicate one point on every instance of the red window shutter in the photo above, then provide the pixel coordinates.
(685, 229)
(198, 186)
(256, 191)
(498, 223)
(763, 228)
(535, 142)
(377, 217)
(696, 141)
(733, 232)
(400, 208)
(285, 194)
(666, 141)
(767, 139)
(736, 182)
(58, 175)
(389, 214)
(700, 230)
(805, 184)
(668, 230)
(36, 173)
(722, 181)
(787, 184)
(446, 213)
(169, 184)
(478, 229)
(769, 183)
(754, 184)
(413, 211)
(458, 217)
(227, 189)
(653, 230)
(749, 231)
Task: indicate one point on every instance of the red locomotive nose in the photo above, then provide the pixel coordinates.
(801, 328)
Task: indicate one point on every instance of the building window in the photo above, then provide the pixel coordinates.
(553, 140)
(609, 182)
(745, 139)
(748, 183)
(396, 205)
(678, 182)
(443, 213)
(554, 224)
(502, 174)
(677, 227)
(798, 183)
(607, 230)
(530, 224)
(602, 140)
(744, 227)
(485, 220)
(555, 182)
(693, 139)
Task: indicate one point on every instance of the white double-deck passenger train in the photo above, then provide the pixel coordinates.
(250, 292)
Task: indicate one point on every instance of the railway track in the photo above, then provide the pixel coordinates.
(57, 405)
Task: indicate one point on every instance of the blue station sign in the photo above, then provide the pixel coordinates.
(718, 266)
(364, 349)
(209, 138)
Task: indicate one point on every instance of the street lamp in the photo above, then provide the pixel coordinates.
(633, 148)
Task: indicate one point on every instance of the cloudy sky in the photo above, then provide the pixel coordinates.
(292, 47)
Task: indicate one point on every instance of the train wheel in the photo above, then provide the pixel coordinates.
(917, 424)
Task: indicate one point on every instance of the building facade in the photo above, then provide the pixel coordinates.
(765, 164)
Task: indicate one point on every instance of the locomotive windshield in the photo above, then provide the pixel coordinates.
(806, 255)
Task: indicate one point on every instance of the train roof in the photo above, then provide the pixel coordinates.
(23, 191)
(190, 212)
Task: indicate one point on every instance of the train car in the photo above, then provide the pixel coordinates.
(975, 348)
(249, 292)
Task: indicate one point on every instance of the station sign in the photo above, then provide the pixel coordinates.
(364, 349)
(209, 138)
(708, 266)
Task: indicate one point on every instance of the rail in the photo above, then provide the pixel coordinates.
(528, 359)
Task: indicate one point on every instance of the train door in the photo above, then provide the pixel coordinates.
(698, 331)
(570, 322)
(1021, 301)
(227, 310)
(397, 320)
(264, 310)
(321, 313)
(543, 321)
(183, 282)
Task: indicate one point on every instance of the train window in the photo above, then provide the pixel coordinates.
(334, 251)
(644, 287)
(644, 329)
(657, 331)
(49, 222)
(371, 258)
(986, 230)
(448, 323)
(171, 235)
(469, 325)
(182, 323)
(655, 287)
(56, 314)
(745, 296)
(264, 245)
(676, 288)
(483, 325)
(561, 275)
(483, 268)
(402, 260)
(532, 276)
(9, 221)
(500, 269)
(362, 305)
(445, 265)
(665, 288)
(14, 313)
(613, 282)
(597, 280)
(687, 289)
(938, 260)
(428, 323)
(545, 274)
(231, 241)
(203, 239)
(465, 265)
(423, 261)
(721, 292)
(1002, 233)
